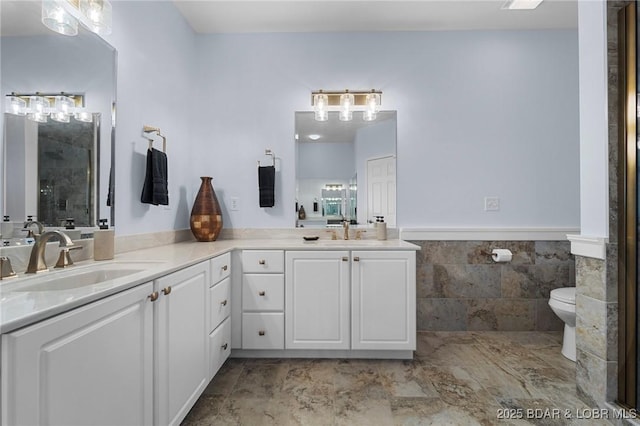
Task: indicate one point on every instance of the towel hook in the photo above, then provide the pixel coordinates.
(149, 129)
(273, 157)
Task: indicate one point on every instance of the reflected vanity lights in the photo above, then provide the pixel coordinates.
(63, 16)
(346, 102)
(38, 107)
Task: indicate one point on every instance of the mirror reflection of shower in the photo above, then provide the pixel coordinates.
(52, 170)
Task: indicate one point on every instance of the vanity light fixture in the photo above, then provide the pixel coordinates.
(346, 107)
(345, 102)
(63, 16)
(521, 4)
(320, 104)
(38, 106)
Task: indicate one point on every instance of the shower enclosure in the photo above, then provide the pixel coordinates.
(628, 243)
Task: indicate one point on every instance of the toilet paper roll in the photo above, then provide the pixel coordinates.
(501, 255)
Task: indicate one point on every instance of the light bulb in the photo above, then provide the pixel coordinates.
(56, 18)
(15, 105)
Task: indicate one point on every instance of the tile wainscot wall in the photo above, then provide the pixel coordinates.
(459, 286)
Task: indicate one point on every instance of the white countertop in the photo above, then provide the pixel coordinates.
(20, 308)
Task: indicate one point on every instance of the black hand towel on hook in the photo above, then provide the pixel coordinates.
(266, 185)
(155, 189)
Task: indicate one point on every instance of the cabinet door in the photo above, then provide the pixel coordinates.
(92, 365)
(182, 342)
(383, 291)
(317, 300)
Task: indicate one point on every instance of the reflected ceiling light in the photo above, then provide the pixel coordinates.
(38, 106)
(62, 109)
(15, 105)
(521, 4)
(63, 16)
(345, 102)
(314, 137)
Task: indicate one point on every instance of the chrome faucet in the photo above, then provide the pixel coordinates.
(345, 225)
(36, 260)
(31, 234)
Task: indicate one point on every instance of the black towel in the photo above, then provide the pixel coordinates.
(266, 185)
(155, 190)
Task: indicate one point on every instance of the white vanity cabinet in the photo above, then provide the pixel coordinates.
(317, 300)
(262, 299)
(220, 311)
(383, 295)
(182, 325)
(91, 364)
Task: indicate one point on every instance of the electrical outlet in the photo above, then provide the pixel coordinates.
(491, 204)
(234, 204)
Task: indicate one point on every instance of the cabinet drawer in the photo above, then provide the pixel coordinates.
(262, 261)
(220, 298)
(262, 292)
(220, 346)
(220, 268)
(263, 330)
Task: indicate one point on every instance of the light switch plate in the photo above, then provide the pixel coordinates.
(491, 204)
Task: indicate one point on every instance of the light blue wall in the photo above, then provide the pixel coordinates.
(156, 69)
(480, 113)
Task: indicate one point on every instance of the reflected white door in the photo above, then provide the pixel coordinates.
(381, 189)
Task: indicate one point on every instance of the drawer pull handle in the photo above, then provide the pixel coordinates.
(262, 293)
(225, 267)
(261, 333)
(224, 347)
(262, 262)
(356, 259)
(153, 296)
(224, 303)
(166, 290)
(345, 258)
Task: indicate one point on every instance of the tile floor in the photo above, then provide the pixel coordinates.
(455, 378)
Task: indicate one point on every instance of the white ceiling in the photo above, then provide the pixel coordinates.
(257, 16)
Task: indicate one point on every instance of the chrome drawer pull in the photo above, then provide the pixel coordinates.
(261, 293)
(224, 347)
(261, 333)
(225, 267)
(262, 262)
(224, 303)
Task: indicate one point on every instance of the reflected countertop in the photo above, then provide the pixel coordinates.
(19, 308)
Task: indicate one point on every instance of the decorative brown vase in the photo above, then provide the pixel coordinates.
(206, 216)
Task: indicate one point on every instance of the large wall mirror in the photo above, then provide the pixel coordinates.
(345, 170)
(53, 171)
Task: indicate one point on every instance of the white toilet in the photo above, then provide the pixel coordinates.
(563, 304)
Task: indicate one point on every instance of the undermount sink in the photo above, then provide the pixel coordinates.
(83, 279)
(75, 278)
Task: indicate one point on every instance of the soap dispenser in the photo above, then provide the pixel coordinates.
(381, 228)
(103, 242)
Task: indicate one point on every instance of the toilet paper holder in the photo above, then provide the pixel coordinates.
(501, 255)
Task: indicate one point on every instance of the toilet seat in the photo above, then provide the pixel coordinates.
(565, 294)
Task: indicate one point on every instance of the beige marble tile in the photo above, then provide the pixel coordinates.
(369, 411)
(405, 379)
(457, 378)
